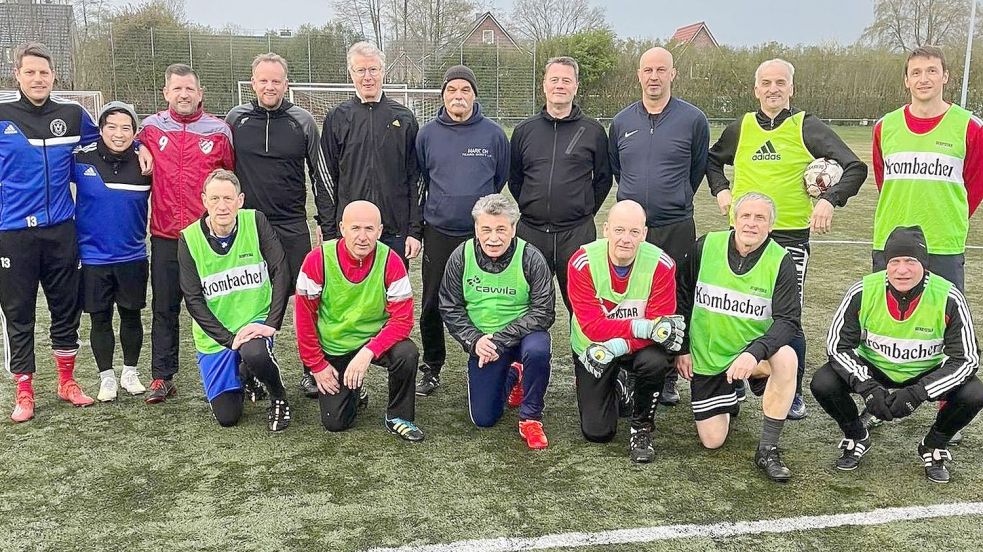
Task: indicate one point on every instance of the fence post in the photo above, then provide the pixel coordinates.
(232, 73)
(310, 60)
(191, 53)
(498, 82)
(153, 64)
(532, 105)
(112, 49)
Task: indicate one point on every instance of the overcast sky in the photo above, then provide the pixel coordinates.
(733, 22)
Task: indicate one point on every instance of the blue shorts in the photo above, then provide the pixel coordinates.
(219, 372)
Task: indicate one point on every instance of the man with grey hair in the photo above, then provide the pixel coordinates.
(560, 171)
(770, 150)
(273, 139)
(235, 283)
(739, 294)
(187, 144)
(497, 301)
(369, 144)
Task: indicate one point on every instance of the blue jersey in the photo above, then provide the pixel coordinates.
(112, 205)
(36, 144)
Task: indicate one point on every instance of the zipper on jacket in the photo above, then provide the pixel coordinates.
(47, 185)
(549, 185)
(267, 131)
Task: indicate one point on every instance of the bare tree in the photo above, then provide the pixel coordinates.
(906, 24)
(365, 16)
(542, 20)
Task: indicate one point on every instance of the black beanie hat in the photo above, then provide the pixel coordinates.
(907, 241)
(460, 72)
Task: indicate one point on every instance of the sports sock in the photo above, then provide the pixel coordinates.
(25, 382)
(107, 375)
(854, 430)
(65, 360)
(936, 440)
(770, 432)
(129, 369)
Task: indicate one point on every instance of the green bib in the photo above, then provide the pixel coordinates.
(907, 348)
(628, 305)
(923, 181)
(772, 162)
(351, 314)
(495, 300)
(730, 310)
(236, 285)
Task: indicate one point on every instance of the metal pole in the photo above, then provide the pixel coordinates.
(232, 72)
(969, 51)
(153, 65)
(191, 54)
(112, 49)
(310, 61)
(498, 83)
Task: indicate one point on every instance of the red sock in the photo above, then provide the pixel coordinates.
(65, 360)
(24, 383)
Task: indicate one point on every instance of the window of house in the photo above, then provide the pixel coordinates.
(488, 36)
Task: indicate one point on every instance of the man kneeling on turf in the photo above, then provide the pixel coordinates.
(908, 331)
(354, 307)
(623, 293)
(497, 301)
(235, 283)
(739, 293)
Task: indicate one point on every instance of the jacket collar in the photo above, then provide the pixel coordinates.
(185, 119)
(575, 115)
(445, 119)
(109, 156)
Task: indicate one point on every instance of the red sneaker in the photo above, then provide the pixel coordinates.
(24, 407)
(71, 392)
(515, 395)
(532, 432)
(160, 390)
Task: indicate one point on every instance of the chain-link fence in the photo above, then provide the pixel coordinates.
(128, 64)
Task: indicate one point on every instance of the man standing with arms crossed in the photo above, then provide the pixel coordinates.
(463, 156)
(658, 151)
(187, 144)
(273, 139)
(770, 150)
(37, 234)
(369, 143)
(928, 167)
(560, 172)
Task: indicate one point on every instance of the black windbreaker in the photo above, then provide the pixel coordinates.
(560, 171)
(370, 149)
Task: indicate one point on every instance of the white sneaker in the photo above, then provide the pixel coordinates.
(130, 380)
(108, 390)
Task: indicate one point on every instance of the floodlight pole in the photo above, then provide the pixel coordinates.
(969, 51)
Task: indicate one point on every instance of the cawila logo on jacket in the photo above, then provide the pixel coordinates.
(234, 280)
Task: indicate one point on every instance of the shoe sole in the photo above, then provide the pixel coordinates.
(134, 393)
(161, 399)
(106, 400)
(669, 403)
(794, 418)
(939, 481)
(846, 469)
(421, 394)
(77, 405)
(404, 438)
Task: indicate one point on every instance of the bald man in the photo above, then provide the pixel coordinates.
(354, 307)
(770, 149)
(658, 150)
(623, 293)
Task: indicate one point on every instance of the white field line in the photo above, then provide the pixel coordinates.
(854, 242)
(716, 530)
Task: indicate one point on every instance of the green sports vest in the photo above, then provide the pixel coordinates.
(494, 301)
(628, 305)
(923, 181)
(730, 310)
(908, 348)
(236, 285)
(772, 162)
(351, 314)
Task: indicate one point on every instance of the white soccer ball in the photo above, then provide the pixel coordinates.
(821, 175)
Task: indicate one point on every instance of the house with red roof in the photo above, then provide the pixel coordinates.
(697, 34)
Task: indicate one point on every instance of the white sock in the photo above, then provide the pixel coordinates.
(130, 369)
(107, 375)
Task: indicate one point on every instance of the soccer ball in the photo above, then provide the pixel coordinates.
(821, 175)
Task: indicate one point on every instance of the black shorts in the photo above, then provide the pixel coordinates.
(123, 284)
(712, 396)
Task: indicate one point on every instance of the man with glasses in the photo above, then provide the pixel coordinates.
(369, 145)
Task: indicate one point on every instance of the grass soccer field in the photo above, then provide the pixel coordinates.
(127, 476)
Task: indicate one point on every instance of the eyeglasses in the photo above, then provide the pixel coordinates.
(371, 71)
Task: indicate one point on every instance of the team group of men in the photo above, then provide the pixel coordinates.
(647, 301)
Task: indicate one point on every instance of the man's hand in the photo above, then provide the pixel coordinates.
(742, 367)
(903, 402)
(355, 372)
(413, 247)
(251, 331)
(327, 380)
(597, 358)
(876, 401)
(318, 237)
(724, 198)
(146, 160)
(822, 217)
(485, 350)
(664, 330)
(684, 367)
